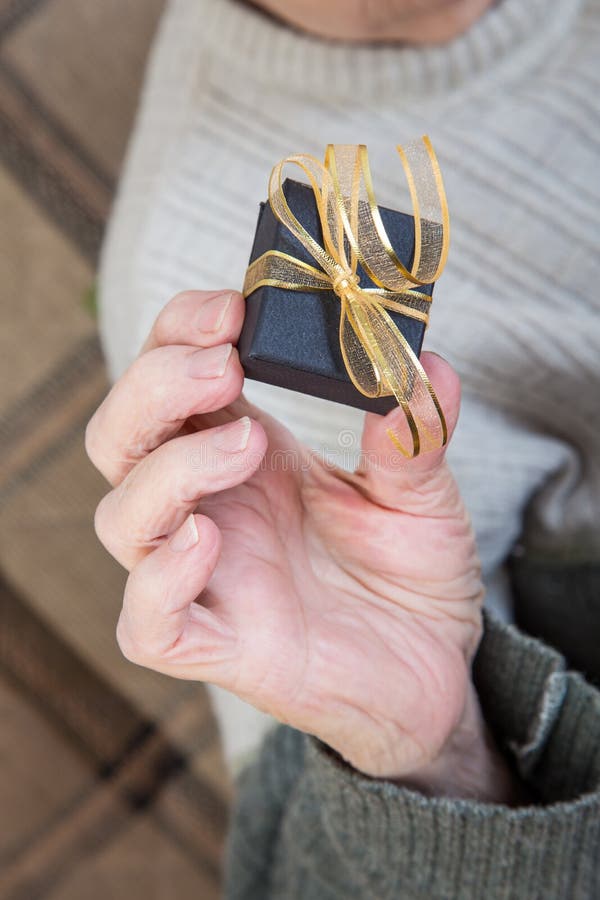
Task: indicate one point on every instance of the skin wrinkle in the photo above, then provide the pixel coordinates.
(127, 457)
(396, 582)
(267, 560)
(353, 704)
(373, 582)
(156, 654)
(363, 488)
(133, 538)
(155, 403)
(298, 681)
(395, 729)
(395, 600)
(254, 508)
(301, 680)
(424, 661)
(143, 533)
(423, 599)
(184, 495)
(221, 650)
(367, 624)
(391, 729)
(338, 564)
(424, 488)
(422, 610)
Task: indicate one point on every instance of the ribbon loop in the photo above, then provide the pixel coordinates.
(377, 357)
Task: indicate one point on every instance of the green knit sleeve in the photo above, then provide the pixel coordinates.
(264, 792)
(331, 833)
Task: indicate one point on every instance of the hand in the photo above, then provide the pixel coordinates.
(347, 605)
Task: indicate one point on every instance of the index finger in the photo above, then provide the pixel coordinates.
(155, 396)
(198, 318)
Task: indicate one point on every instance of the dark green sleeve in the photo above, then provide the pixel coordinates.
(264, 793)
(541, 588)
(330, 833)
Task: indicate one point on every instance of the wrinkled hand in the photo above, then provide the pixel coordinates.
(347, 605)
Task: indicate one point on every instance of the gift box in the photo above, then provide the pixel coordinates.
(290, 338)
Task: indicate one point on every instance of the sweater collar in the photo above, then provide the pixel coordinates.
(512, 30)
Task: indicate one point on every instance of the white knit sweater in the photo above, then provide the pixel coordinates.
(512, 110)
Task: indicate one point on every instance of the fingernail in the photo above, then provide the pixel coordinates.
(233, 438)
(212, 315)
(210, 363)
(185, 537)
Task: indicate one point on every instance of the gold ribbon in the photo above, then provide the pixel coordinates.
(378, 358)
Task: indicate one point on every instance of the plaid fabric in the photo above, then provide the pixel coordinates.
(111, 783)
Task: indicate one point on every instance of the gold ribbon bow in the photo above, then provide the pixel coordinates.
(378, 358)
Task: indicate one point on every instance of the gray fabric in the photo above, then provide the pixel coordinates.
(308, 827)
(541, 588)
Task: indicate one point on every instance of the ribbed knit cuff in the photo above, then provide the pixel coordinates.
(409, 845)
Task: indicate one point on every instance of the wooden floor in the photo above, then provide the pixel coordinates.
(111, 779)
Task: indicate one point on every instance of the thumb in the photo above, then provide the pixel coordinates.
(388, 477)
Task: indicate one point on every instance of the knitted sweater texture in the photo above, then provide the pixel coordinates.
(309, 827)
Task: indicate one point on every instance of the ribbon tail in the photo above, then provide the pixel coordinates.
(360, 365)
(386, 365)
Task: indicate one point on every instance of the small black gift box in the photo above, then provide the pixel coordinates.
(290, 338)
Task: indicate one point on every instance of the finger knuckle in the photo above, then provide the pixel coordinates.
(129, 647)
(185, 488)
(154, 386)
(168, 322)
(91, 440)
(136, 643)
(104, 521)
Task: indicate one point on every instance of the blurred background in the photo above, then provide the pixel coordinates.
(111, 779)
